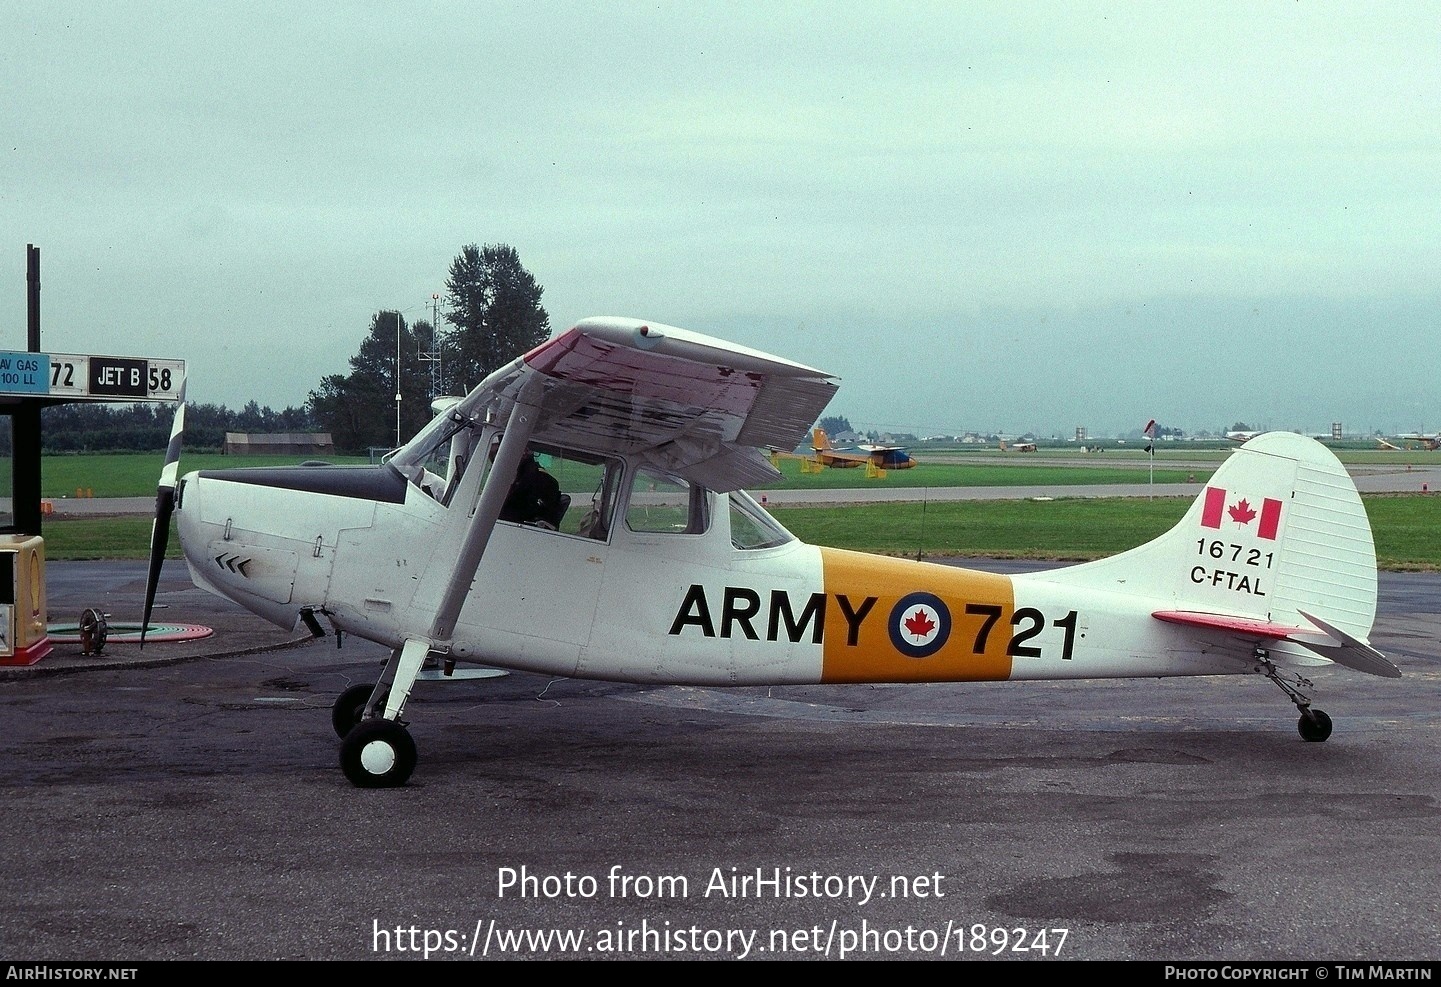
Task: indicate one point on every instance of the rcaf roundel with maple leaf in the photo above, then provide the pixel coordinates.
(920, 623)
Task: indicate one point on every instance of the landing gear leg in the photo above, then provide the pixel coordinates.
(1314, 725)
(378, 752)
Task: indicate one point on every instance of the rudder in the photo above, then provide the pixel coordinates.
(1279, 530)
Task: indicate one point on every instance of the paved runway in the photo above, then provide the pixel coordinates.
(186, 802)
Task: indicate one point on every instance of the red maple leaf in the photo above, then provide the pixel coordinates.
(919, 624)
(1242, 512)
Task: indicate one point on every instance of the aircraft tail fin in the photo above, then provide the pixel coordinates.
(1278, 539)
(820, 441)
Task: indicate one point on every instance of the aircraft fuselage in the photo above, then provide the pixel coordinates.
(367, 552)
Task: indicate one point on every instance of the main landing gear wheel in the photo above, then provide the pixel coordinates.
(1315, 726)
(348, 709)
(377, 754)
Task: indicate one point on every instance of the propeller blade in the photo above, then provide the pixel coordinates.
(164, 508)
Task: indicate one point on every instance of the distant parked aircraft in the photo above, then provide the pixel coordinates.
(1427, 440)
(881, 457)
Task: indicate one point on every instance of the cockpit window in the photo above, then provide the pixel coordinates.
(437, 458)
(752, 527)
(588, 486)
(666, 504)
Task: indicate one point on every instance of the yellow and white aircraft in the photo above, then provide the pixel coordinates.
(1426, 440)
(879, 457)
(657, 567)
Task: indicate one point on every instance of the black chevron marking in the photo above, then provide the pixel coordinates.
(234, 563)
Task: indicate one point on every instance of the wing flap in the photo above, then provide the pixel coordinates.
(778, 405)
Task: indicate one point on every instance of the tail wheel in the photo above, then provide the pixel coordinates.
(378, 754)
(1314, 725)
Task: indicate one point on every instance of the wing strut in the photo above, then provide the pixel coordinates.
(523, 417)
(378, 751)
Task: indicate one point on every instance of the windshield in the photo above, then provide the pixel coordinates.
(752, 527)
(431, 443)
(435, 459)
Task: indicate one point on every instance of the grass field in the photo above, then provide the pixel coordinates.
(1001, 474)
(1171, 455)
(1405, 528)
(135, 474)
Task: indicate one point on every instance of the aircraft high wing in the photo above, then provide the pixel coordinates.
(1426, 440)
(652, 565)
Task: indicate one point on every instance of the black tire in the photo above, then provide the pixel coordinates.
(1315, 726)
(345, 714)
(93, 630)
(378, 754)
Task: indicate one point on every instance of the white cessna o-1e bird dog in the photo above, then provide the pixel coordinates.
(656, 567)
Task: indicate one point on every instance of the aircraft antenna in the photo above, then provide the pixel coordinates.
(921, 536)
(1150, 433)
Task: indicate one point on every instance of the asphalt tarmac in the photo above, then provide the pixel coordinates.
(184, 801)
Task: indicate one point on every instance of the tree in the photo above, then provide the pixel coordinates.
(359, 409)
(493, 307)
(85, 427)
(493, 303)
(835, 424)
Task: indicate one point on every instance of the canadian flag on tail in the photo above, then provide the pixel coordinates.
(1215, 510)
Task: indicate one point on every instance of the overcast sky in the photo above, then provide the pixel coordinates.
(1004, 216)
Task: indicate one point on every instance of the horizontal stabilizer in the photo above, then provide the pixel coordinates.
(1351, 652)
(1325, 639)
(1249, 626)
